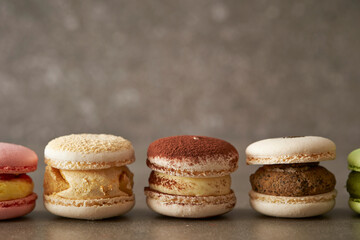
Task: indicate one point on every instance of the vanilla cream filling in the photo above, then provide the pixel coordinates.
(187, 186)
(88, 184)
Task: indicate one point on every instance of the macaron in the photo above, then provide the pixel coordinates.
(353, 182)
(16, 188)
(86, 176)
(190, 176)
(291, 183)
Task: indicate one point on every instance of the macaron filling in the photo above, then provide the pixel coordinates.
(186, 186)
(293, 180)
(88, 184)
(15, 186)
(353, 185)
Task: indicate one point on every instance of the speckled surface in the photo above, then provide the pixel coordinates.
(237, 70)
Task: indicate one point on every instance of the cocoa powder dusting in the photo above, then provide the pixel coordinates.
(187, 146)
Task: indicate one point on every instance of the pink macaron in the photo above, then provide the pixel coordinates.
(17, 197)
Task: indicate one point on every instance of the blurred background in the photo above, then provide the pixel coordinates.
(237, 70)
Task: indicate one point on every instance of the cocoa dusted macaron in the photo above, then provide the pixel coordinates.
(191, 176)
(291, 183)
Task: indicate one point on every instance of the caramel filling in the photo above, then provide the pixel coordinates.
(88, 184)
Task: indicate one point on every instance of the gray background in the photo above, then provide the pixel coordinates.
(237, 70)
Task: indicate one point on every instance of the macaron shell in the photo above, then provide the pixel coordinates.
(18, 207)
(291, 150)
(354, 204)
(354, 160)
(17, 159)
(89, 151)
(189, 206)
(192, 156)
(186, 211)
(90, 213)
(292, 207)
(92, 209)
(300, 210)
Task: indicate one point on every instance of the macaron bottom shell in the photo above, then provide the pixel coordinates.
(92, 209)
(300, 210)
(189, 206)
(18, 207)
(188, 211)
(292, 207)
(354, 204)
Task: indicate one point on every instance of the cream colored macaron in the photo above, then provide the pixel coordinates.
(86, 176)
(287, 150)
(291, 183)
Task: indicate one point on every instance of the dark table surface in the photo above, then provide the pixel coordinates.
(341, 223)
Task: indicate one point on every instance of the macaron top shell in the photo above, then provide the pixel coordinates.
(15, 159)
(290, 150)
(192, 156)
(354, 160)
(88, 151)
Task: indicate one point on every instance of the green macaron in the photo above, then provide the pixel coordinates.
(353, 182)
(354, 160)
